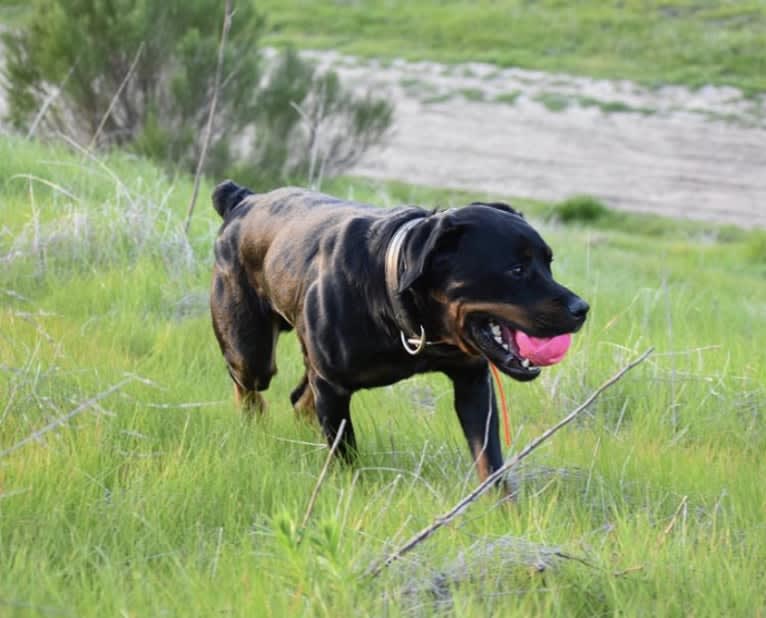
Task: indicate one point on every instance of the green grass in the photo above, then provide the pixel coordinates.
(12, 12)
(553, 101)
(614, 107)
(161, 501)
(509, 98)
(471, 94)
(653, 42)
(437, 98)
(581, 208)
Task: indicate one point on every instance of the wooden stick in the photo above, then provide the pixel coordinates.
(49, 100)
(629, 570)
(211, 114)
(68, 416)
(116, 96)
(673, 520)
(482, 488)
(320, 480)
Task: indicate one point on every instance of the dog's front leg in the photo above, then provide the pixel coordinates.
(333, 406)
(477, 410)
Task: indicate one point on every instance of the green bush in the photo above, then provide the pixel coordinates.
(580, 208)
(140, 74)
(756, 247)
(308, 125)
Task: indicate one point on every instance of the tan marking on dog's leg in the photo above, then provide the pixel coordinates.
(251, 403)
(305, 407)
(480, 459)
(509, 485)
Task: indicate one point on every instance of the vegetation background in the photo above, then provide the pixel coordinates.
(129, 485)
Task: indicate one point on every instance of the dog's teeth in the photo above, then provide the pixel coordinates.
(525, 363)
(496, 330)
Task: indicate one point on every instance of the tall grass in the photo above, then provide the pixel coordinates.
(159, 500)
(653, 42)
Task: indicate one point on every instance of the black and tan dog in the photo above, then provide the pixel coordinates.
(378, 295)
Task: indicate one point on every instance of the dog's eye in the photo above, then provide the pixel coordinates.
(516, 271)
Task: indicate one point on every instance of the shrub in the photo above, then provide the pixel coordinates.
(756, 247)
(582, 208)
(307, 125)
(140, 73)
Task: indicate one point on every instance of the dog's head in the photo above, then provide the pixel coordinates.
(488, 273)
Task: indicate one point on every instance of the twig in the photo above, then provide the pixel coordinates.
(628, 571)
(49, 101)
(668, 529)
(211, 113)
(217, 555)
(320, 480)
(47, 183)
(191, 404)
(68, 416)
(116, 96)
(669, 320)
(482, 488)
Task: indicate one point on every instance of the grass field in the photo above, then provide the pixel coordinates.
(158, 500)
(653, 41)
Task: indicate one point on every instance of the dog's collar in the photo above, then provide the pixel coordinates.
(413, 339)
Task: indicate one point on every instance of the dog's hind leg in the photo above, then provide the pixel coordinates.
(247, 331)
(250, 402)
(302, 396)
(302, 399)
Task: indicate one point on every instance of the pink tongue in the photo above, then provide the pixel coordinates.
(541, 352)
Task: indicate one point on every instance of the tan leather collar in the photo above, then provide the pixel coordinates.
(413, 338)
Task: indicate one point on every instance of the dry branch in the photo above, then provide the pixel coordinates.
(213, 102)
(320, 480)
(67, 417)
(669, 528)
(482, 488)
(49, 100)
(115, 98)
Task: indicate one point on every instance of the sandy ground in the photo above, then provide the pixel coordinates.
(696, 154)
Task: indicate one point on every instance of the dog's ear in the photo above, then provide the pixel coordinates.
(438, 233)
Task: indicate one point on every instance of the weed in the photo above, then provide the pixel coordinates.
(438, 98)
(472, 94)
(612, 107)
(581, 208)
(410, 83)
(756, 247)
(509, 98)
(553, 101)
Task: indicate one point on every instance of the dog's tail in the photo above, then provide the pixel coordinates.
(227, 195)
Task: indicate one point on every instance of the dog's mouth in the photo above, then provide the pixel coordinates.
(513, 351)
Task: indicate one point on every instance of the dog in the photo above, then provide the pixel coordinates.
(378, 295)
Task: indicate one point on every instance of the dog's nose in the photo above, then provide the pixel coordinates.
(578, 307)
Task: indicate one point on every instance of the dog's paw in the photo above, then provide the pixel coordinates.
(251, 403)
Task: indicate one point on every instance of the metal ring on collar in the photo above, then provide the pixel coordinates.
(421, 343)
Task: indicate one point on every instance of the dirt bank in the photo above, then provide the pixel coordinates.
(697, 154)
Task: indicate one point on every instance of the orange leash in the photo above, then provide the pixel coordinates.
(504, 405)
